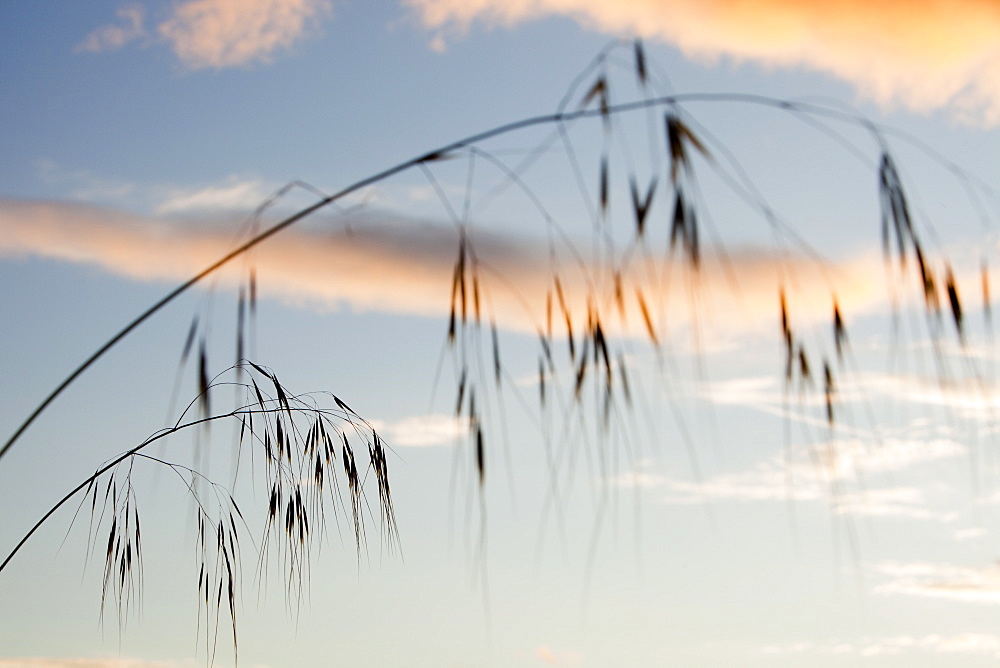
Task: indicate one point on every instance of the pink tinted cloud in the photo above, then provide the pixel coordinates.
(216, 33)
(390, 264)
(924, 54)
(225, 33)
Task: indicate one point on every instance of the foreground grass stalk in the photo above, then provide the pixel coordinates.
(436, 154)
(302, 445)
(104, 469)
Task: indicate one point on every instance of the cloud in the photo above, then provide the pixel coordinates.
(828, 472)
(551, 657)
(962, 396)
(925, 54)
(968, 397)
(970, 534)
(81, 184)
(421, 431)
(375, 261)
(946, 581)
(236, 194)
(113, 37)
(224, 33)
(962, 643)
(217, 33)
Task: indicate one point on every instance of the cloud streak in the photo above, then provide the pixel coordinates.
(234, 194)
(823, 472)
(968, 397)
(982, 644)
(924, 54)
(943, 581)
(423, 431)
(378, 262)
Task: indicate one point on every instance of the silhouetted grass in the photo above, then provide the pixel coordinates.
(603, 300)
(312, 474)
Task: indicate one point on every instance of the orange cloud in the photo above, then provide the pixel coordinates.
(924, 54)
(379, 262)
(224, 33)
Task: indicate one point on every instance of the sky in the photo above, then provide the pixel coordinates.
(661, 478)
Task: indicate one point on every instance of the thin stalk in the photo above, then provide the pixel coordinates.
(443, 151)
(104, 469)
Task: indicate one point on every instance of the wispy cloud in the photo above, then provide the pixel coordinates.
(970, 534)
(235, 194)
(113, 37)
(968, 398)
(421, 431)
(924, 54)
(982, 644)
(376, 261)
(218, 33)
(551, 657)
(972, 398)
(82, 184)
(373, 264)
(828, 472)
(945, 581)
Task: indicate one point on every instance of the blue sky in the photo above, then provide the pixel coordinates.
(718, 519)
